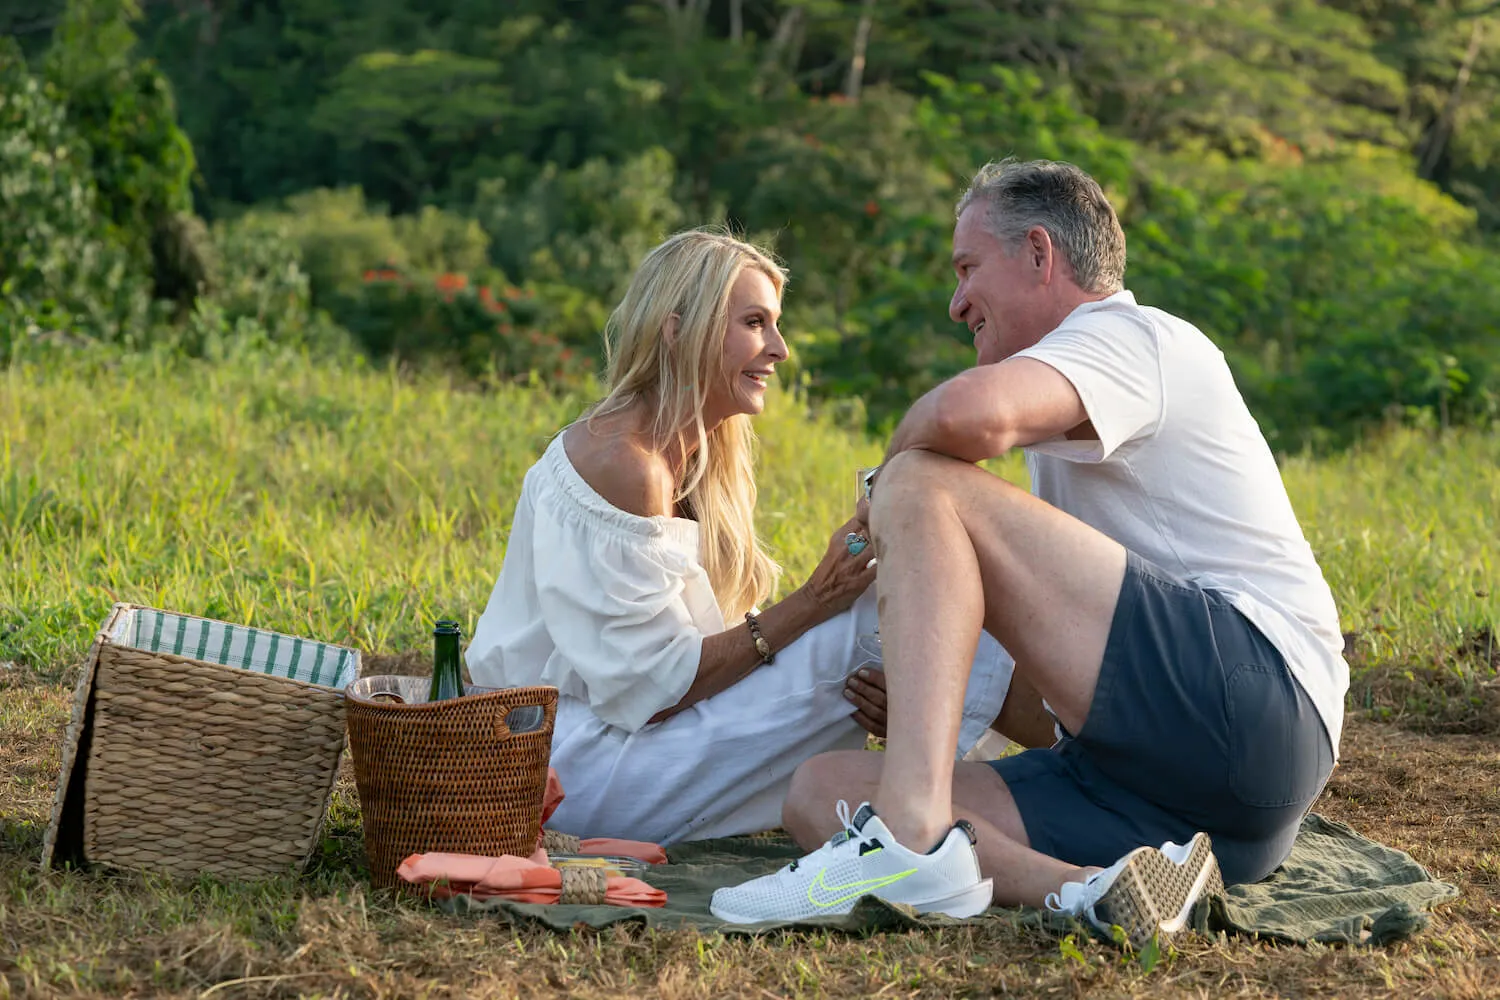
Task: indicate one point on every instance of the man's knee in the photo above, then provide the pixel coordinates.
(809, 782)
(912, 480)
(817, 784)
(915, 467)
(806, 788)
(917, 483)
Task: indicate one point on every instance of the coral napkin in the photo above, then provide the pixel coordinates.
(520, 880)
(638, 849)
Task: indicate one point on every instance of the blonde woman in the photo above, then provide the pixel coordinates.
(633, 573)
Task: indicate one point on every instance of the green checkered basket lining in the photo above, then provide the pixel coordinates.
(237, 646)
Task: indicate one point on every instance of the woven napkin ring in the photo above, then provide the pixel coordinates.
(556, 842)
(582, 885)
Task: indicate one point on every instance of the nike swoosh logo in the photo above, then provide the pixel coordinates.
(849, 889)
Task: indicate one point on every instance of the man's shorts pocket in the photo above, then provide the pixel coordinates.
(1279, 754)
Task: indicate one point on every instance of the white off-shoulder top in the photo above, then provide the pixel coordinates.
(607, 606)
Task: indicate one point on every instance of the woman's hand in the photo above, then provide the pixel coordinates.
(865, 688)
(842, 575)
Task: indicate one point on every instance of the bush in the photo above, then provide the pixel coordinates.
(449, 320)
(339, 237)
(260, 273)
(1340, 302)
(437, 242)
(259, 279)
(61, 266)
(577, 235)
(399, 285)
(142, 163)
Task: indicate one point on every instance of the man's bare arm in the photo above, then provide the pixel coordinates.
(986, 411)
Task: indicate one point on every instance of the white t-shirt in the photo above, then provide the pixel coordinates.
(608, 607)
(1182, 476)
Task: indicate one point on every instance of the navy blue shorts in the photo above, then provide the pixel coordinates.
(1196, 724)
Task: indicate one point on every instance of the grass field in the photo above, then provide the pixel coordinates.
(353, 505)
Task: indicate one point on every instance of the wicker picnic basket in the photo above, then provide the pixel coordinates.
(466, 775)
(198, 746)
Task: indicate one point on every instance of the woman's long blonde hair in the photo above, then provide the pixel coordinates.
(691, 276)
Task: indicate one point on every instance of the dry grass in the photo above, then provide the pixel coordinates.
(328, 935)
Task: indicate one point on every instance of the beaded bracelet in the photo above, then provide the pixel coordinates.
(762, 645)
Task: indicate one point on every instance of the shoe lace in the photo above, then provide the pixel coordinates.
(842, 811)
(845, 835)
(1073, 898)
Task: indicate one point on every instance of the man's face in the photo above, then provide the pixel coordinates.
(1000, 297)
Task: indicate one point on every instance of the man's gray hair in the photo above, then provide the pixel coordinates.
(1063, 200)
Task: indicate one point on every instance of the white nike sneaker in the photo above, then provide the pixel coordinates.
(1149, 891)
(863, 859)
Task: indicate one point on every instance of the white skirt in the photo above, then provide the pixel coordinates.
(722, 767)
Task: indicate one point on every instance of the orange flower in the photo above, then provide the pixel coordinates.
(872, 208)
(451, 282)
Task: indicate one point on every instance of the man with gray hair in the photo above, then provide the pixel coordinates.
(1155, 588)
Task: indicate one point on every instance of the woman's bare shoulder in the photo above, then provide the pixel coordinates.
(626, 474)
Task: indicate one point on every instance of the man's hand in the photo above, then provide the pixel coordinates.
(866, 689)
(1022, 718)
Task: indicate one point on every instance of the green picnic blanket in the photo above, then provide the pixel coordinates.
(1335, 887)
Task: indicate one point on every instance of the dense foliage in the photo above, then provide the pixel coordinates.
(1316, 183)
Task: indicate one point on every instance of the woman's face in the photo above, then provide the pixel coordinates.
(752, 348)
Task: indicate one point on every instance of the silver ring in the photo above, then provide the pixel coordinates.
(856, 543)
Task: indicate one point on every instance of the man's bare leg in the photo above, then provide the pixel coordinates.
(961, 550)
(1020, 875)
(1022, 718)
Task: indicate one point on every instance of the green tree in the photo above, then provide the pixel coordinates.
(1235, 77)
(578, 234)
(1336, 289)
(140, 160)
(1448, 51)
(412, 115)
(61, 266)
(1306, 179)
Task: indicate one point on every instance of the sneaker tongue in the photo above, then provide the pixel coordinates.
(865, 814)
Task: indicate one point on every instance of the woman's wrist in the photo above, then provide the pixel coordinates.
(783, 622)
(804, 610)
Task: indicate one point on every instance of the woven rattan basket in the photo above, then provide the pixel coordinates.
(465, 775)
(200, 746)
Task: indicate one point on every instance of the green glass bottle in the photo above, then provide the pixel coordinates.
(447, 675)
